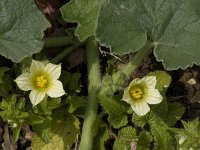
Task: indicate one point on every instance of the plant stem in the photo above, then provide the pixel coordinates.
(120, 77)
(135, 62)
(93, 88)
(57, 41)
(64, 53)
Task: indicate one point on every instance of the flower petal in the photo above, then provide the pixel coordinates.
(126, 97)
(56, 89)
(24, 82)
(36, 96)
(36, 66)
(154, 96)
(135, 81)
(150, 81)
(140, 108)
(54, 71)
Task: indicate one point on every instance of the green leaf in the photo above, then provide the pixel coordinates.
(140, 120)
(173, 26)
(179, 46)
(2, 71)
(71, 81)
(116, 109)
(63, 135)
(163, 79)
(144, 140)
(13, 110)
(126, 139)
(159, 130)
(43, 130)
(122, 32)
(175, 112)
(16, 131)
(21, 29)
(85, 13)
(76, 102)
(189, 138)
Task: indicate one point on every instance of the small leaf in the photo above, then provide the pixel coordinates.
(189, 137)
(125, 139)
(43, 130)
(159, 130)
(63, 134)
(144, 140)
(163, 79)
(116, 109)
(21, 29)
(76, 11)
(175, 112)
(16, 131)
(2, 71)
(76, 102)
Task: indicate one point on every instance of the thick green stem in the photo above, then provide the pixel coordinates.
(136, 61)
(93, 88)
(57, 41)
(132, 65)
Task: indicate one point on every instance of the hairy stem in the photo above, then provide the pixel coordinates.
(93, 88)
(133, 64)
(136, 61)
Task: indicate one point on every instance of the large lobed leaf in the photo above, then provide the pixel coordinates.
(85, 13)
(173, 26)
(21, 29)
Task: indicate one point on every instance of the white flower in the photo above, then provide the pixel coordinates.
(140, 92)
(41, 80)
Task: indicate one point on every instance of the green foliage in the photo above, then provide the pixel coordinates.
(189, 138)
(2, 71)
(63, 134)
(159, 130)
(76, 11)
(163, 79)
(77, 105)
(13, 111)
(171, 25)
(126, 138)
(116, 109)
(21, 29)
(175, 112)
(71, 81)
(159, 121)
(144, 140)
(4, 86)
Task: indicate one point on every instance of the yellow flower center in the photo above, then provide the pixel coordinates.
(136, 93)
(41, 81)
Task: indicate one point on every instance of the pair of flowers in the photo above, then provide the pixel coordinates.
(42, 80)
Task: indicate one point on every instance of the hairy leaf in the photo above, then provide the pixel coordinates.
(126, 139)
(63, 135)
(143, 141)
(116, 109)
